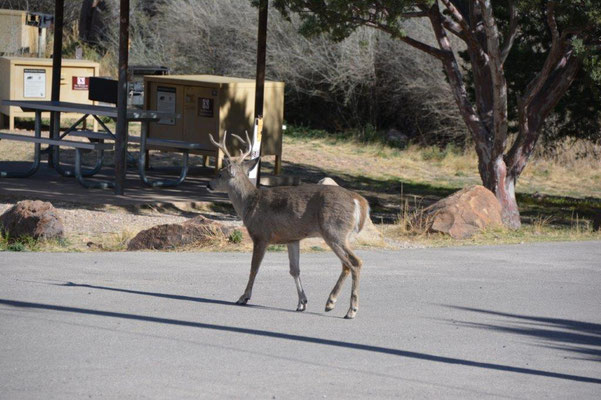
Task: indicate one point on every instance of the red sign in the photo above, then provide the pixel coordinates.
(80, 82)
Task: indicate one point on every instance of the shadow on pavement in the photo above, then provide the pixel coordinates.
(300, 338)
(185, 298)
(562, 334)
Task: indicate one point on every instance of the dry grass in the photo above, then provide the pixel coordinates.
(541, 228)
(401, 183)
(568, 172)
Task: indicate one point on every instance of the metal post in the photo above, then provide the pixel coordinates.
(121, 139)
(40, 50)
(57, 59)
(260, 80)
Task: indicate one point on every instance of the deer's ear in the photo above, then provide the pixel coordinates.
(250, 164)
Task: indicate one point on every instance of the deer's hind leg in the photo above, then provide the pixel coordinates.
(294, 257)
(336, 290)
(259, 248)
(350, 264)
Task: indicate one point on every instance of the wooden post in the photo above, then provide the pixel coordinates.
(57, 61)
(260, 79)
(121, 132)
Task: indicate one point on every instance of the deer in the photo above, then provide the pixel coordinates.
(288, 214)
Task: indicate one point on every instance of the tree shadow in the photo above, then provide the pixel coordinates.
(388, 196)
(579, 337)
(302, 339)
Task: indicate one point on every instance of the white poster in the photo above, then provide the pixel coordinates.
(34, 83)
(256, 149)
(166, 102)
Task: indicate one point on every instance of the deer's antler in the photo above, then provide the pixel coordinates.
(244, 154)
(221, 145)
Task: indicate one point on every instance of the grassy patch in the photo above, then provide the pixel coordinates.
(555, 201)
(28, 243)
(277, 247)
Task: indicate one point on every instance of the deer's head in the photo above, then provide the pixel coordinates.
(235, 170)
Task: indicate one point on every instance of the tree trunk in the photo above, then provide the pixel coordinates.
(503, 186)
(493, 172)
(488, 123)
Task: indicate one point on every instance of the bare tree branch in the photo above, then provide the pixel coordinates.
(512, 32)
(499, 89)
(532, 117)
(454, 28)
(453, 72)
(538, 81)
(466, 30)
(433, 51)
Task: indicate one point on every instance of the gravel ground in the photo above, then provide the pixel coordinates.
(89, 222)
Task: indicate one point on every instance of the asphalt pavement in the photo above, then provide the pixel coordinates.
(519, 321)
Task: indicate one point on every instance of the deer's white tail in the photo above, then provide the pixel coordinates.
(361, 212)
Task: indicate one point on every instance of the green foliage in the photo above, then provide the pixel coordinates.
(235, 236)
(578, 114)
(24, 243)
(339, 18)
(276, 247)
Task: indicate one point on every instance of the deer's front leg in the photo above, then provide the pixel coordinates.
(259, 248)
(294, 257)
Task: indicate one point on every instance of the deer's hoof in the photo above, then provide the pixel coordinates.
(351, 313)
(330, 305)
(243, 300)
(302, 305)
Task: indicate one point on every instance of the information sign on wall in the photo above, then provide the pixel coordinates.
(205, 107)
(80, 83)
(34, 83)
(166, 102)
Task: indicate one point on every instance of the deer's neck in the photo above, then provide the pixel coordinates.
(242, 194)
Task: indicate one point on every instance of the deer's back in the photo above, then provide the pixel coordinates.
(289, 213)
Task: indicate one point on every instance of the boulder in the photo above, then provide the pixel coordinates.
(369, 235)
(171, 236)
(32, 218)
(463, 213)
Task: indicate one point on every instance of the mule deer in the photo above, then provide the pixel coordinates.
(287, 214)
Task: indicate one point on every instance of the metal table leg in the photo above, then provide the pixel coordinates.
(56, 154)
(36, 153)
(142, 163)
(87, 183)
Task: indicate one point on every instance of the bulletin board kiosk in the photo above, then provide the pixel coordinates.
(211, 104)
(27, 78)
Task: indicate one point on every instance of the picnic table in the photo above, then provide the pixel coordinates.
(96, 140)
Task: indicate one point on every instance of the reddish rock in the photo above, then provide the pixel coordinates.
(171, 236)
(32, 218)
(463, 213)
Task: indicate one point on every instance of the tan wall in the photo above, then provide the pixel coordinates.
(12, 77)
(15, 35)
(233, 109)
